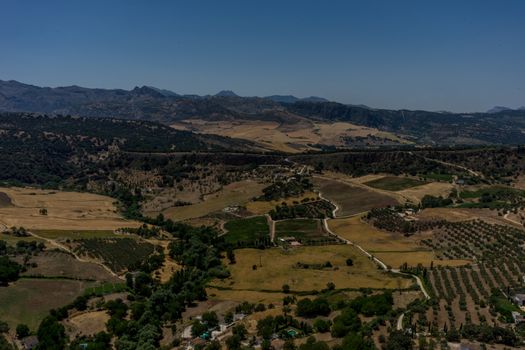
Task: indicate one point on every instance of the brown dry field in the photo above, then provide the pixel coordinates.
(415, 194)
(263, 207)
(278, 268)
(59, 264)
(86, 324)
(351, 199)
(66, 210)
(237, 193)
(392, 248)
(292, 138)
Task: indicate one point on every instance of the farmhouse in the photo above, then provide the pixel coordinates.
(517, 317)
(519, 299)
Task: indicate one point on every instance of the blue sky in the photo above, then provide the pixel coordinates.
(440, 55)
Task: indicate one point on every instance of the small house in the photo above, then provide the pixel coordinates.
(519, 299)
(30, 342)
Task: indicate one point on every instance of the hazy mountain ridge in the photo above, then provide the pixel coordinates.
(502, 126)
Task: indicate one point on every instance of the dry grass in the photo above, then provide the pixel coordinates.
(392, 248)
(86, 324)
(415, 194)
(278, 268)
(65, 210)
(237, 193)
(289, 137)
(263, 207)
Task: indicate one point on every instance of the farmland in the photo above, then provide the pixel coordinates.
(280, 267)
(306, 231)
(263, 207)
(60, 264)
(119, 254)
(233, 194)
(394, 183)
(65, 210)
(29, 300)
(247, 230)
(392, 248)
(351, 199)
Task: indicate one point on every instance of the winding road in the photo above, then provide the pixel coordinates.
(399, 325)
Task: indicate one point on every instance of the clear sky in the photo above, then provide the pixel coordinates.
(458, 55)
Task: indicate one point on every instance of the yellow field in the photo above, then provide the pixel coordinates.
(278, 268)
(415, 194)
(65, 210)
(263, 207)
(291, 137)
(393, 249)
(86, 324)
(237, 193)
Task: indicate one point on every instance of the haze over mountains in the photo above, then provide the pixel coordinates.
(294, 121)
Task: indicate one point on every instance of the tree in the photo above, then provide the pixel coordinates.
(22, 331)
(9, 270)
(349, 262)
(286, 288)
(210, 319)
(399, 340)
(51, 334)
(4, 327)
(233, 342)
(198, 328)
(321, 326)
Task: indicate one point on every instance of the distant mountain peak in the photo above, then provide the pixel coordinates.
(164, 92)
(497, 109)
(226, 93)
(146, 91)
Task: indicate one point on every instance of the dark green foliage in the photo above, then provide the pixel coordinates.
(22, 331)
(283, 189)
(345, 323)
(9, 270)
(373, 305)
(399, 340)
(51, 334)
(317, 209)
(312, 308)
(429, 201)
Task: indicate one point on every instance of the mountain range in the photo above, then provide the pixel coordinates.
(285, 113)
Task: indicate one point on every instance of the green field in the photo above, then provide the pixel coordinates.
(11, 240)
(495, 191)
(118, 254)
(75, 234)
(303, 230)
(437, 177)
(29, 300)
(394, 183)
(247, 230)
(106, 288)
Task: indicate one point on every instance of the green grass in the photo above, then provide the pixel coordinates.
(438, 177)
(11, 240)
(106, 288)
(497, 191)
(300, 229)
(247, 230)
(394, 183)
(76, 234)
(29, 300)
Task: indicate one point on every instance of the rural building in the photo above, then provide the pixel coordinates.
(517, 317)
(30, 342)
(519, 299)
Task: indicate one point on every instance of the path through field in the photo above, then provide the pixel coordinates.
(75, 255)
(375, 259)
